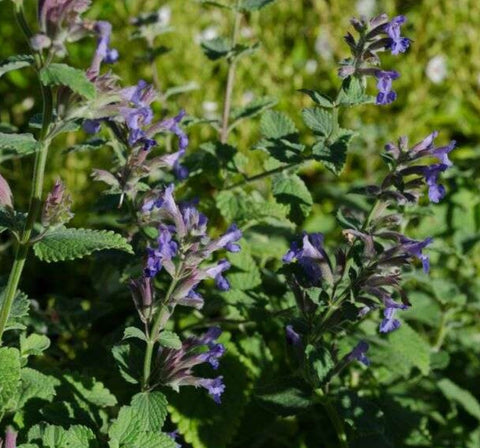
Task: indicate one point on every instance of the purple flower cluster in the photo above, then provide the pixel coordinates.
(183, 246)
(373, 288)
(177, 365)
(377, 35)
(411, 166)
(359, 353)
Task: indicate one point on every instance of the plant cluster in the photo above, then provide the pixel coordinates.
(249, 330)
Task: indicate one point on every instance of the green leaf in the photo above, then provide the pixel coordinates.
(200, 420)
(252, 109)
(69, 244)
(169, 339)
(36, 385)
(64, 75)
(320, 362)
(215, 4)
(285, 397)
(292, 191)
(319, 98)
(129, 359)
(17, 145)
(9, 376)
(242, 208)
(127, 432)
(254, 5)
(33, 345)
(18, 312)
(275, 125)
(216, 48)
(334, 155)
(461, 396)
(150, 410)
(411, 347)
(89, 145)
(134, 332)
(91, 391)
(353, 93)
(244, 273)
(51, 436)
(319, 120)
(15, 62)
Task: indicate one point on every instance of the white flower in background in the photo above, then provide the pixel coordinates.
(164, 15)
(207, 34)
(209, 109)
(366, 7)
(247, 97)
(437, 69)
(246, 32)
(311, 66)
(322, 46)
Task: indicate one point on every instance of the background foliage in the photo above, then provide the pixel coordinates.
(426, 374)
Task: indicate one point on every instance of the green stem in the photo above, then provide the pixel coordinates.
(35, 199)
(265, 174)
(334, 417)
(159, 320)
(230, 78)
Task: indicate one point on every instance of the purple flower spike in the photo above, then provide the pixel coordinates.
(442, 153)
(359, 353)
(216, 273)
(389, 323)
(215, 387)
(91, 126)
(293, 338)
(384, 85)
(398, 44)
(414, 248)
(436, 192)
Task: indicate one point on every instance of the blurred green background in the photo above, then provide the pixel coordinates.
(301, 44)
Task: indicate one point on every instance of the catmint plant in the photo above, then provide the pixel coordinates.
(214, 262)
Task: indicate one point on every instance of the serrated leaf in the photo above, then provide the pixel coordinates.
(169, 339)
(334, 155)
(319, 120)
(413, 349)
(70, 244)
(127, 432)
(239, 207)
(36, 385)
(15, 62)
(33, 345)
(292, 191)
(9, 376)
(134, 332)
(461, 396)
(275, 125)
(150, 410)
(129, 360)
(254, 5)
(51, 436)
(91, 391)
(17, 145)
(63, 75)
(19, 310)
(353, 93)
(319, 98)
(285, 397)
(320, 362)
(216, 48)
